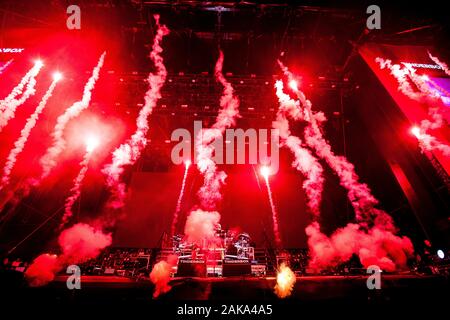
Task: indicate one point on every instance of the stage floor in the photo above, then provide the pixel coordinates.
(98, 289)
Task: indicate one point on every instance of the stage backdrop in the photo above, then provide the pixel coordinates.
(245, 206)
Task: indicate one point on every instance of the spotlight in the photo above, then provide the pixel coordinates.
(92, 143)
(57, 76)
(293, 84)
(416, 131)
(441, 254)
(265, 171)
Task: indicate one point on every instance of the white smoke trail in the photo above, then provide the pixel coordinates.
(201, 225)
(376, 246)
(75, 191)
(401, 74)
(180, 198)
(426, 94)
(78, 244)
(127, 153)
(19, 145)
(443, 65)
(17, 90)
(48, 160)
(358, 193)
(9, 105)
(209, 193)
(5, 66)
(430, 143)
(375, 243)
(304, 162)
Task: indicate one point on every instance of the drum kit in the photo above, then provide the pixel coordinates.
(232, 245)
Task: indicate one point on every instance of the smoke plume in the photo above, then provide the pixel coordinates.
(424, 94)
(5, 66)
(9, 105)
(443, 65)
(82, 242)
(19, 145)
(372, 237)
(75, 191)
(127, 153)
(160, 275)
(375, 247)
(304, 161)
(17, 90)
(209, 193)
(42, 270)
(200, 227)
(48, 161)
(78, 244)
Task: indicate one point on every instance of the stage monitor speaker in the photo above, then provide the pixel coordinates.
(191, 268)
(236, 268)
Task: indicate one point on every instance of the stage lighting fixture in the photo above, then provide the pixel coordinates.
(441, 254)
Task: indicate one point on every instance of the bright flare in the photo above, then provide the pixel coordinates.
(92, 142)
(38, 63)
(293, 84)
(416, 131)
(57, 76)
(265, 172)
(285, 281)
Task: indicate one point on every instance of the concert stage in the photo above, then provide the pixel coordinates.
(169, 154)
(396, 288)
